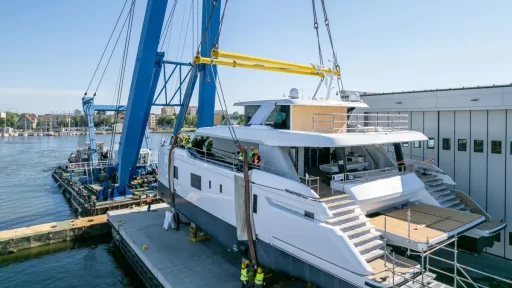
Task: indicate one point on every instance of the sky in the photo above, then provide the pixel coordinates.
(49, 49)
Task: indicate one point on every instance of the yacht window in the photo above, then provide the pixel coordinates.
(497, 237)
(510, 238)
(479, 146)
(510, 147)
(405, 144)
(447, 144)
(220, 188)
(279, 118)
(175, 172)
(462, 145)
(254, 203)
(431, 143)
(195, 181)
(417, 144)
(495, 147)
(209, 184)
(309, 214)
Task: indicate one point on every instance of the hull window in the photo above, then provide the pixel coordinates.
(220, 188)
(209, 184)
(175, 172)
(497, 237)
(309, 214)
(195, 181)
(254, 203)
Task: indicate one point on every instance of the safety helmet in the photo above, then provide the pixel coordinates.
(260, 270)
(244, 265)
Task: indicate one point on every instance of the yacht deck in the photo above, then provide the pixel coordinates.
(383, 269)
(427, 222)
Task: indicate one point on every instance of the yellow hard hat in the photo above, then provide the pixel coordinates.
(244, 265)
(256, 151)
(260, 270)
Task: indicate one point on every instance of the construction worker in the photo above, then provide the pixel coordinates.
(250, 154)
(244, 274)
(148, 202)
(260, 276)
(256, 158)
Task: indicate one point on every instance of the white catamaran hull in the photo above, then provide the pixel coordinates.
(286, 242)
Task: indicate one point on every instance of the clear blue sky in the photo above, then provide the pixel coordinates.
(49, 49)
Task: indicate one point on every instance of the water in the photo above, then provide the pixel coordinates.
(29, 196)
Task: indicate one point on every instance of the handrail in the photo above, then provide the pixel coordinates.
(359, 123)
(354, 176)
(88, 165)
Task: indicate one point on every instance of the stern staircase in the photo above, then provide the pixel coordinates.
(348, 218)
(440, 192)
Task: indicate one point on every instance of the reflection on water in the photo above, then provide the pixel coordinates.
(29, 197)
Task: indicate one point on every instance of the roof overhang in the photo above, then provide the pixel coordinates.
(295, 102)
(268, 136)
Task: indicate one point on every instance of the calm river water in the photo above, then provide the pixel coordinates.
(29, 196)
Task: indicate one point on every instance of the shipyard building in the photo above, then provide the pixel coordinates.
(470, 138)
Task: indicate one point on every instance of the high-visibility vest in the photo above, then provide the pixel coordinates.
(259, 278)
(241, 156)
(249, 156)
(243, 275)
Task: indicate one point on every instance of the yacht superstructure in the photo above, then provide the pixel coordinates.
(325, 195)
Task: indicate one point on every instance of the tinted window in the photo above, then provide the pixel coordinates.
(279, 118)
(462, 145)
(497, 237)
(417, 144)
(447, 144)
(478, 146)
(431, 143)
(254, 203)
(175, 172)
(496, 147)
(195, 181)
(220, 188)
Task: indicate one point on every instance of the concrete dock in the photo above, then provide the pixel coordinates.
(28, 237)
(171, 259)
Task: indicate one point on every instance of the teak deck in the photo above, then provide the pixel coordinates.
(427, 222)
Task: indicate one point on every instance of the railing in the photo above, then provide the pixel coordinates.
(229, 160)
(369, 175)
(426, 267)
(89, 165)
(309, 181)
(359, 123)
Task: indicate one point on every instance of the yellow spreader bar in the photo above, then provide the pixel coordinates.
(259, 63)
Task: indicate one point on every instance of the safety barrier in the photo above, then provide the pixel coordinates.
(359, 123)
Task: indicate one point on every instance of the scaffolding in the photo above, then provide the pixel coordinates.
(426, 276)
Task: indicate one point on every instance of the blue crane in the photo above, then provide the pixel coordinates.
(148, 66)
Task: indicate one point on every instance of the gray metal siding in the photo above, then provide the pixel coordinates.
(478, 170)
(462, 158)
(430, 129)
(417, 125)
(508, 195)
(496, 174)
(447, 130)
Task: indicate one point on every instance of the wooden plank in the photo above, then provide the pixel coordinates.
(302, 118)
(400, 227)
(454, 215)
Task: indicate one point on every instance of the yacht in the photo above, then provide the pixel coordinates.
(328, 199)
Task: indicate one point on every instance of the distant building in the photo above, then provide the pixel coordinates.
(152, 121)
(168, 110)
(192, 110)
(27, 121)
(218, 117)
(77, 112)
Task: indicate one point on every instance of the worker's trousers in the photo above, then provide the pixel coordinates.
(149, 206)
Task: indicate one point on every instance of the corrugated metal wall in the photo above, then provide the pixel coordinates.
(482, 172)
